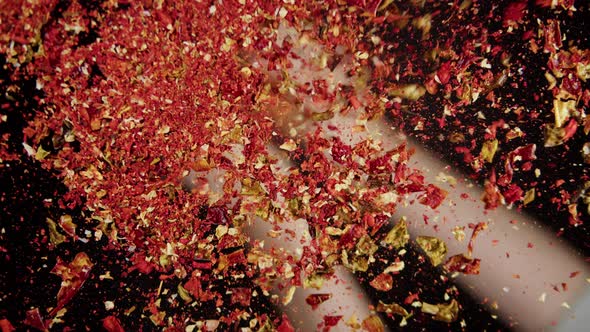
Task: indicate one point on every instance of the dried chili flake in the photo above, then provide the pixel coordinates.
(373, 324)
(289, 295)
(395, 267)
(398, 236)
(33, 318)
(447, 313)
(392, 308)
(529, 196)
(488, 150)
(289, 145)
(314, 300)
(340, 151)
(241, 296)
(112, 324)
(433, 196)
(459, 233)
(411, 298)
(55, 237)
(315, 280)
(366, 246)
(6, 326)
(435, 248)
(514, 12)
(570, 129)
(512, 193)
(66, 223)
(73, 276)
(443, 74)
(350, 238)
(553, 4)
(285, 325)
(522, 154)
(479, 227)
(411, 92)
(330, 321)
(193, 287)
(218, 215)
(383, 282)
(184, 294)
(141, 264)
(563, 110)
(552, 34)
(463, 264)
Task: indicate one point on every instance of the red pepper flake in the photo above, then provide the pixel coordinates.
(73, 276)
(463, 264)
(354, 102)
(285, 325)
(524, 154)
(512, 194)
(552, 34)
(340, 151)
(514, 12)
(444, 73)
(314, 300)
(383, 282)
(411, 298)
(112, 324)
(195, 288)
(218, 215)
(433, 196)
(565, 4)
(574, 274)
(241, 295)
(33, 319)
(476, 230)
(491, 195)
(141, 264)
(369, 5)
(570, 129)
(67, 225)
(6, 326)
(468, 157)
(330, 321)
(349, 239)
(373, 324)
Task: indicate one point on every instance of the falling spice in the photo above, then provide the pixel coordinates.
(161, 121)
(73, 277)
(463, 264)
(398, 236)
(434, 248)
(443, 312)
(314, 300)
(383, 282)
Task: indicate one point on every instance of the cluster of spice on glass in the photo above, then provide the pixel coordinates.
(146, 107)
